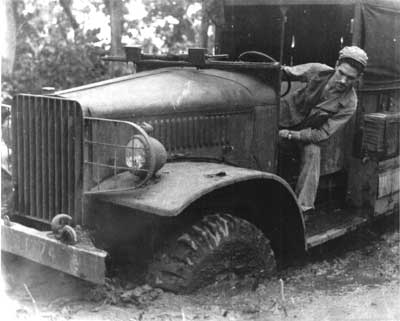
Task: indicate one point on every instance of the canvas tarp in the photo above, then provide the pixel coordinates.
(381, 40)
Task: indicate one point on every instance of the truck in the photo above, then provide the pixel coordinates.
(177, 167)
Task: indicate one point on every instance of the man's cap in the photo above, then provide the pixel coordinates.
(355, 53)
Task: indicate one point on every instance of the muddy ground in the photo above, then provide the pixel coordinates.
(353, 278)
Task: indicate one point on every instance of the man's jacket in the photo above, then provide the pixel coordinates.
(306, 110)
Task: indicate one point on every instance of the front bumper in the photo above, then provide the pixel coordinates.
(80, 260)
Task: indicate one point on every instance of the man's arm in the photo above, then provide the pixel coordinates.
(332, 125)
(304, 72)
(318, 135)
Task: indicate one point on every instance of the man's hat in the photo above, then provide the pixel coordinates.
(355, 53)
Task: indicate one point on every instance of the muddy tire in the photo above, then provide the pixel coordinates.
(218, 244)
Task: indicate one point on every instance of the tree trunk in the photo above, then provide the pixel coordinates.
(8, 55)
(116, 32)
(205, 22)
(66, 5)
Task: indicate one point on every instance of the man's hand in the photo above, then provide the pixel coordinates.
(284, 133)
(289, 134)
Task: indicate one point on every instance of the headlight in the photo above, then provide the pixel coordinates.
(145, 155)
(135, 153)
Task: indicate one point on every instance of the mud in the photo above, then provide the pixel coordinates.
(352, 278)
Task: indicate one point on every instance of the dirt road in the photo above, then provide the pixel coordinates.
(353, 278)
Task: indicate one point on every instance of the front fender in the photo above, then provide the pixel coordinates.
(179, 184)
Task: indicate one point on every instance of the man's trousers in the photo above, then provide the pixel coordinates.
(307, 182)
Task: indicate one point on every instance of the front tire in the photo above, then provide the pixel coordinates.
(217, 244)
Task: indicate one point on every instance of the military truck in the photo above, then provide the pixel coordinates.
(177, 167)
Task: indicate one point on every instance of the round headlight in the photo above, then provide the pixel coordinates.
(145, 155)
(135, 153)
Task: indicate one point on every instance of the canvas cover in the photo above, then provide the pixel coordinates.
(381, 40)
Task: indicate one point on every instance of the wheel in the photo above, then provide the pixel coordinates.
(216, 245)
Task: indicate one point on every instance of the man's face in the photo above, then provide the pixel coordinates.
(345, 77)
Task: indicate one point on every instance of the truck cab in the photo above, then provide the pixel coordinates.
(314, 31)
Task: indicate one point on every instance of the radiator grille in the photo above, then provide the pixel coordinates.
(48, 158)
(191, 132)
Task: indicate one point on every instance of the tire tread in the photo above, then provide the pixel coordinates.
(171, 270)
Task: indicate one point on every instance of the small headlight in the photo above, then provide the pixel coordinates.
(135, 153)
(145, 155)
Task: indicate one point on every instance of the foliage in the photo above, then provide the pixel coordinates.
(60, 63)
(179, 22)
(174, 26)
(51, 55)
(52, 49)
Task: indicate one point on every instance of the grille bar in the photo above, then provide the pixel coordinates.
(45, 155)
(57, 156)
(47, 167)
(38, 165)
(78, 178)
(70, 160)
(31, 159)
(25, 128)
(51, 159)
(64, 157)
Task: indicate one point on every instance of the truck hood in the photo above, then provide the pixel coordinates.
(171, 90)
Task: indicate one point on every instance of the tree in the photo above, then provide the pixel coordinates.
(178, 28)
(212, 15)
(66, 5)
(45, 53)
(172, 23)
(116, 26)
(58, 52)
(115, 8)
(8, 55)
(205, 24)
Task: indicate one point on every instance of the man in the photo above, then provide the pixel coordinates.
(313, 113)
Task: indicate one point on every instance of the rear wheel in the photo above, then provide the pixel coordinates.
(217, 244)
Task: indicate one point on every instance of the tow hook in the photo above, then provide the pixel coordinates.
(6, 220)
(62, 230)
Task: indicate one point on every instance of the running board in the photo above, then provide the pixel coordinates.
(327, 225)
(335, 232)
